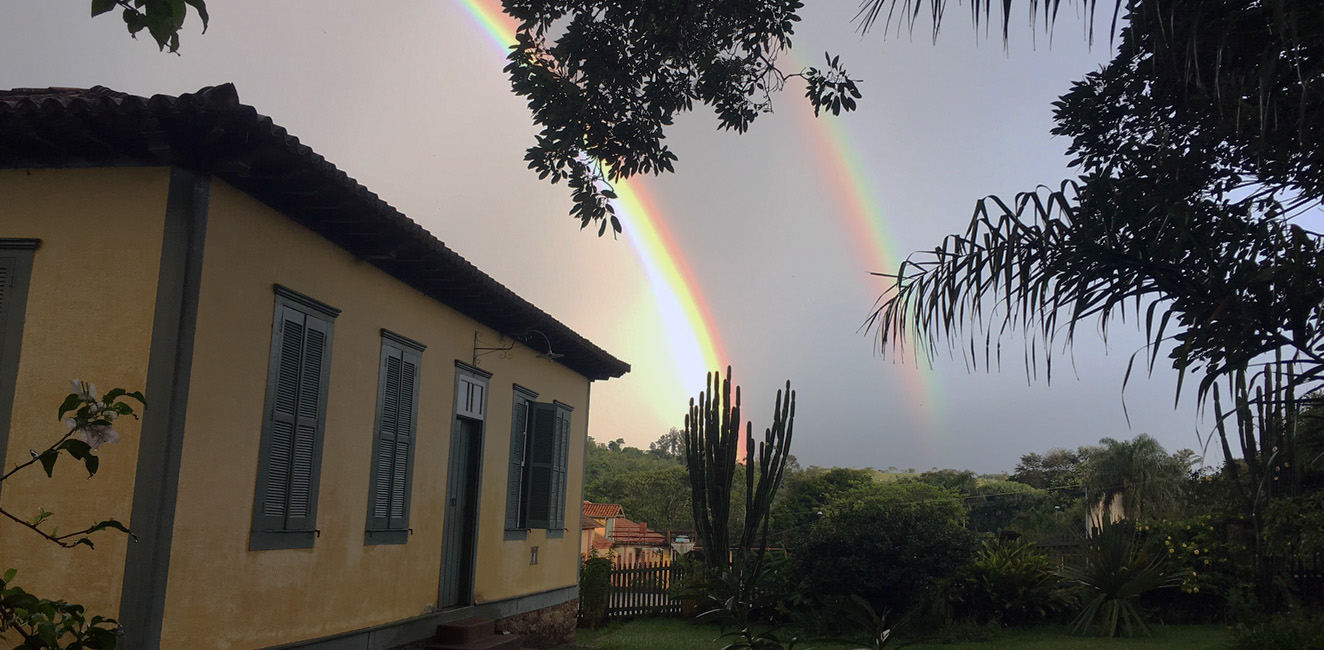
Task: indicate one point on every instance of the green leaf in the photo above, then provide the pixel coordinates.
(200, 7)
(109, 524)
(76, 448)
(102, 6)
(133, 21)
(70, 403)
(9, 575)
(20, 600)
(91, 462)
(47, 459)
(42, 515)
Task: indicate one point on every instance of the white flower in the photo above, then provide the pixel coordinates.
(97, 434)
(71, 423)
(86, 390)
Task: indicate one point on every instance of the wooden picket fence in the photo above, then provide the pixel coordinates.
(642, 589)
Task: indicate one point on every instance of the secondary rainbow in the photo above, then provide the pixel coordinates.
(867, 233)
(691, 335)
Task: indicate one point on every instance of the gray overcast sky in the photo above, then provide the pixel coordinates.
(411, 101)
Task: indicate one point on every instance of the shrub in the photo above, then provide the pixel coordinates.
(748, 601)
(1009, 584)
(1213, 566)
(1284, 632)
(806, 493)
(890, 549)
(1115, 568)
(594, 589)
(687, 578)
(994, 506)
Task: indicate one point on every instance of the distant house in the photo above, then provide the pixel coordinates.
(323, 463)
(596, 538)
(611, 533)
(603, 511)
(635, 543)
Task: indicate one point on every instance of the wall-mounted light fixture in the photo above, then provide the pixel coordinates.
(548, 355)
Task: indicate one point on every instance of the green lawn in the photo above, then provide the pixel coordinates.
(677, 634)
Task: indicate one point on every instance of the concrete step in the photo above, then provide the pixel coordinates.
(465, 630)
(494, 642)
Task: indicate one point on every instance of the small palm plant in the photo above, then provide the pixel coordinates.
(1115, 568)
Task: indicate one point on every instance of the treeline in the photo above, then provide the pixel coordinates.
(1047, 495)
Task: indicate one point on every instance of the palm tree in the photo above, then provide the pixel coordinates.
(1146, 478)
(1197, 154)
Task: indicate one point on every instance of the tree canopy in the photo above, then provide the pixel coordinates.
(1198, 158)
(605, 78)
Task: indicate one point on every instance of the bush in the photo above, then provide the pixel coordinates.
(594, 590)
(1213, 565)
(892, 548)
(1010, 584)
(1285, 632)
(995, 506)
(804, 494)
(687, 578)
(1115, 567)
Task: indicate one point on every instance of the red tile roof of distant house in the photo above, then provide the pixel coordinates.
(603, 510)
(629, 533)
(602, 545)
(586, 522)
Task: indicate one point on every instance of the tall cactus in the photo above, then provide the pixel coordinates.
(712, 439)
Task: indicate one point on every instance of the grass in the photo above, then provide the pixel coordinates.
(678, 634)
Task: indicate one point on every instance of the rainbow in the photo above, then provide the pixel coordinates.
(866, 232)
(691, 335)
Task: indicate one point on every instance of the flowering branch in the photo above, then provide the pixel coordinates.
(63, 540)
(46, 623)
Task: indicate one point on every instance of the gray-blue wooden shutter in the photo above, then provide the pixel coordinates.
(288, 483)
(274, 478)
(542, 457)
(392, 471)
(559, 468)
(402, 470)
(388, 399)
(306, 452)
(515, 481)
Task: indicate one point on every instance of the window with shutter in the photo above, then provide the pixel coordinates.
(517, 478)
(393, 441)
(15, 268)
(285, 502)
(549, 455)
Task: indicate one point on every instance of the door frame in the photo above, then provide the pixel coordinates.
(471, 398)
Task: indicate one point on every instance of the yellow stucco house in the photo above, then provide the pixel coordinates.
(327, 459)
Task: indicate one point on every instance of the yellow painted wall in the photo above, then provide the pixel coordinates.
(89, 316)
(503, 566)
(220, 594)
